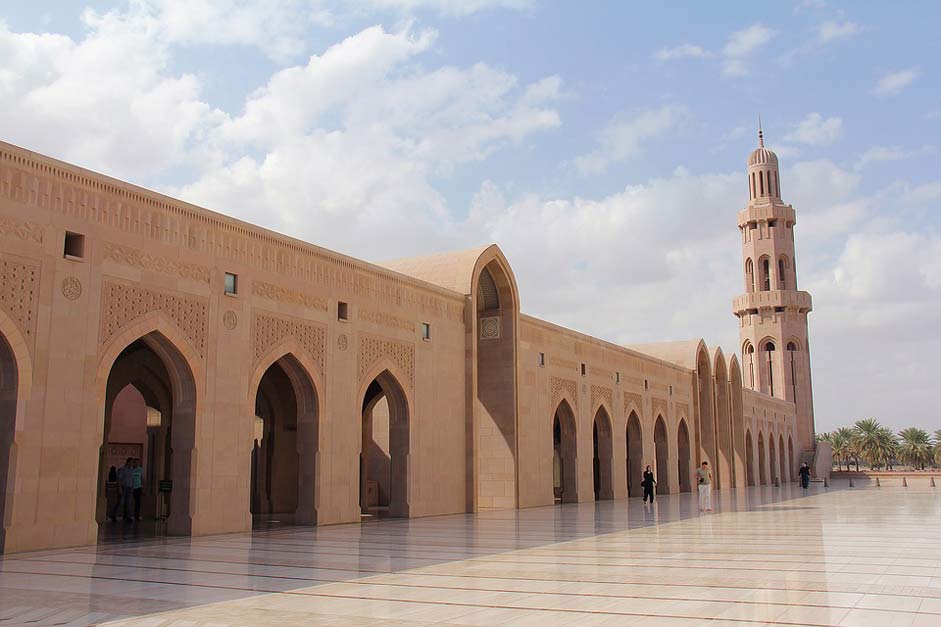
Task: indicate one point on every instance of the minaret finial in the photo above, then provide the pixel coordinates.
(761, 135)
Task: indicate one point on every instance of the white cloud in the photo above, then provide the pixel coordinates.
(624, 136)
(893, 83)
(882, 154)
(450, 7)
(830, 31)
(816, 130)
(740, 45)
(682, 51)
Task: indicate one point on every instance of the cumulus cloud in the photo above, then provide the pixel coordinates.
(740, 45)
(816, 130)
(623, 137)
(682, 51)
(829, 31)
(893, 83)
(882, 154)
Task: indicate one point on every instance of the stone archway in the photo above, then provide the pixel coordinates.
(725, 462)
(284, 444)
(762, 466)
(782, 460)
(773, 459)
(790, 456)
(603, 459)
(739, 471)
(385, 449)
(683, 457)
(9, 382)
(158, 370)
(749, 460)
(635, 456)
(564, 455)
(706, 405)
(662, 449)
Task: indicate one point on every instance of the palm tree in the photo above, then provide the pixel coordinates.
(872, 441)
(915, 447)
(843, 446)
(937, 447)
(888, 448)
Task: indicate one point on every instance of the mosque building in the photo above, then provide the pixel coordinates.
(262, 378)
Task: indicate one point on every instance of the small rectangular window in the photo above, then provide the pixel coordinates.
(542, 359)
(671, 390)
(74, 245)
(617, 377)
(425, 331)
(645, 384)
(231, 283)
(584, 370)
(343, 311)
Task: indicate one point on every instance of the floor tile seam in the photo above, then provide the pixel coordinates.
(462, 589)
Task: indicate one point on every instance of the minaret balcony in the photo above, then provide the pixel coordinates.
(763, 211)
(772, 299)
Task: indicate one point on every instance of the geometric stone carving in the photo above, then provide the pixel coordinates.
(635, 400)
(659, 406)
(121, 304)
(402, 354)
(599, 392)
(133, 257)
(559, 386)
(269, 330)
(490, 328)
(11, 227)
(230, 320)
(387, 320)
(71, 288)
(343, 342)
(19, 293)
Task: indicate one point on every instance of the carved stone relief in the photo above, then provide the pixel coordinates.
(559, 386)
(402, 354)
(19, 293)
(269, 330)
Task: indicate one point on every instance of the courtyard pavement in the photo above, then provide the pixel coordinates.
(767, 556)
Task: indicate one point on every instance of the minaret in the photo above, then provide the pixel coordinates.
(772, 312)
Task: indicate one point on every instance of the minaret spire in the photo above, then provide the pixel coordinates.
(761, 135)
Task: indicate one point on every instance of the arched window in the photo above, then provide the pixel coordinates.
(777, 185)
(749, 275)
(782, 264)
(769, 349)
(749, 352)
(766, 274)
(791, 349)
(761, 182)
(754, 188)
(772, 183)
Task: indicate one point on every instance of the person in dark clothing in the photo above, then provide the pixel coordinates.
(805, 475)
(647, 484)
(112, 494)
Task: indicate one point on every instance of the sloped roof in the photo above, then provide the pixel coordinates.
(451, 270)
(680, 352)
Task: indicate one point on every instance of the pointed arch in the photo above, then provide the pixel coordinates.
(185, 371)
(383, 380)
(705, 404)
(783, 462)
(762, 461)
(749, 275)
(305, 381)
(738, 423)
(773, 476)
(724, 461)
(603, 459)
(565, 453)
(635, 455)
(662, 451)
(683, 456)
(790, 457)
(750, 477)
(16, 372)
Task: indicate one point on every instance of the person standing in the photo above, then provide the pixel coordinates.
(805, 475)
(647, 484)
(126, 487)
(112, 494)
(704, 479)
(137, 476)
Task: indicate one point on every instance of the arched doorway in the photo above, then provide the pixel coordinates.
(739, 472)
(790, 457)
(603, 461)
(284, 445)
(782, 460)
(762, 468)
(773, 457)
(8, 397)
(707, 421)
(724, 463)
(683, 457)
(635, 456)
(149, 416)
(663, 456)
(564, 455)
(384, 454)
(749, 460)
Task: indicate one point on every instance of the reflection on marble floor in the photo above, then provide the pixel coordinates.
(767, 556)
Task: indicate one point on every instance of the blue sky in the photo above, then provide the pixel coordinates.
(601, 145)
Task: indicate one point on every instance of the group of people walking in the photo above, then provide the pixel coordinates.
(123, 490)
(703, 476)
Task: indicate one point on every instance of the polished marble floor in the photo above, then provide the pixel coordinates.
(766, 556)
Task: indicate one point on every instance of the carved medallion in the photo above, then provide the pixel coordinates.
(490, 328)
(230, 320)
(343, 342)
(71, 288)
